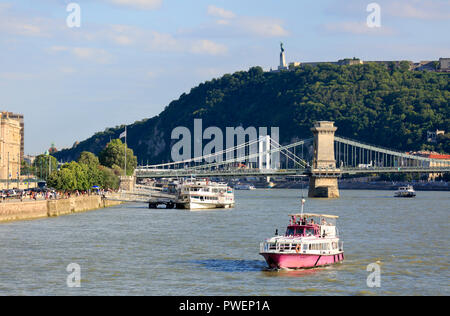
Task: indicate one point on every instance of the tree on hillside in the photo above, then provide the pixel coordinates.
(113, 156)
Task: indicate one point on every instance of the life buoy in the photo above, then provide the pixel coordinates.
(298, 248)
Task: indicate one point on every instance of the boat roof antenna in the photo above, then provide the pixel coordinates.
(303, 206)
(303, 200)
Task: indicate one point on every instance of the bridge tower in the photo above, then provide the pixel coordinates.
(127, 183)
(264, 154)
(323, 181)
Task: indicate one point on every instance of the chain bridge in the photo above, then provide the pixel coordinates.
(323, 158)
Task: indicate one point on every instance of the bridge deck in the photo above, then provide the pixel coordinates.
(291, 172)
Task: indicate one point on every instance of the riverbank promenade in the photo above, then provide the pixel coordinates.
(13, 210)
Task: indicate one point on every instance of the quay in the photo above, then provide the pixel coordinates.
(27, 210)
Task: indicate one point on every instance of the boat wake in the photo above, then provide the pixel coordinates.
(229, 265)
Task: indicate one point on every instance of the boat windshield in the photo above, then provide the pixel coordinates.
(309, 232)
(291, 231)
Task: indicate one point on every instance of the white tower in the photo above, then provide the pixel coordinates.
(264, 153)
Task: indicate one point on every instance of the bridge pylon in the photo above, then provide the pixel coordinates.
(323, 180)
(127, 183)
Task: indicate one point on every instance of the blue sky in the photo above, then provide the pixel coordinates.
(130, 58)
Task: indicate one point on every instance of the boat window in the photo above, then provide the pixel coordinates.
(299, 232)
(290, 232)
(309, 232)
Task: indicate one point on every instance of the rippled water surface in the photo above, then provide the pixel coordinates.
(131, 250)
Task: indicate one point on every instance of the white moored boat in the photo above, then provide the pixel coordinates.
(204, 194)
(244, 186)
(407, 191)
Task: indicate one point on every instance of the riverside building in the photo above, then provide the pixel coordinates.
(11, 146)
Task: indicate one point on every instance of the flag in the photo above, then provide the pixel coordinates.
(123, 135)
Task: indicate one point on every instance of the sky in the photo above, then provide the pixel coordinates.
(129, 59)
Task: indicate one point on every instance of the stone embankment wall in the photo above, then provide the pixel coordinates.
(39, 209)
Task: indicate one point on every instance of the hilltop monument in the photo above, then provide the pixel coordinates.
(283, 65)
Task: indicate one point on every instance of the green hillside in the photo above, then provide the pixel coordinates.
(390, 107)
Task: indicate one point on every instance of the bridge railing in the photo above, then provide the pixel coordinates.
(387, 151)
(397, 170)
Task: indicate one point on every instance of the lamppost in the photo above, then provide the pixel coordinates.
(18, 171)
(7, 176)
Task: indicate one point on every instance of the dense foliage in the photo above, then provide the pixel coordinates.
(90, 171)
(113, 156)
(387, 106)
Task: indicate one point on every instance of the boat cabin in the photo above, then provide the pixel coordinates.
(307, 225)
(407, 188)
(302, 231)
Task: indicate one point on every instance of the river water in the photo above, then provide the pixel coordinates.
(131, 250)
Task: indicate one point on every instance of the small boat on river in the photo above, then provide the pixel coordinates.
(244, 186)
(407, 191)
(311, 240)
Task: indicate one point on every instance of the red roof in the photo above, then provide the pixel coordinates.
(438, 156)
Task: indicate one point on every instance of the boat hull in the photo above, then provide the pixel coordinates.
(202, 206)
(300, 261)
(405, 195)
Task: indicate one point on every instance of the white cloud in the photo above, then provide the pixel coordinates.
(123, 35)
(423, 10)
(208, 47)
(164, 42)
(17, 76)
(67, 70)
(96, 55)
(152, 74)
(59, 48)
(139, 4)
(355, 28)
(154, 41)
(220, 12)
(23, 27)
(264, 27)
(4, 6)
(229, 24)
(411, 9)
(16, 24)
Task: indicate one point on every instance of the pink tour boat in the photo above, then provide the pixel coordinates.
(311, 240)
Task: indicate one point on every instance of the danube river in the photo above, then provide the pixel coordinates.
(131, 250)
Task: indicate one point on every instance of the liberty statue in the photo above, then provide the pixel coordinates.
(282, 58)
